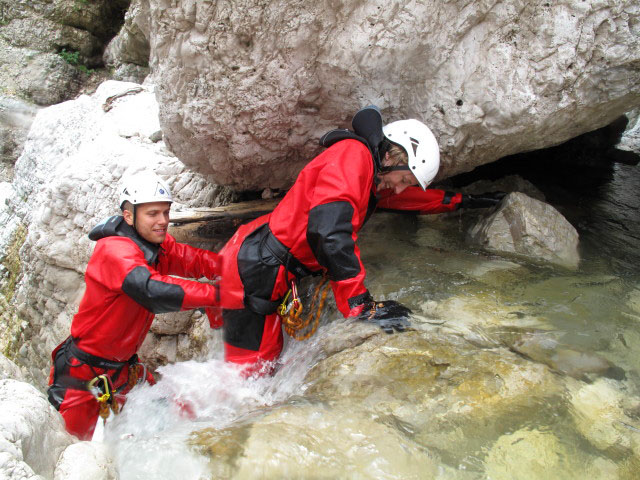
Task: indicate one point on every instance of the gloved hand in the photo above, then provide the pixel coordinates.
(389, 315)
(481, 200)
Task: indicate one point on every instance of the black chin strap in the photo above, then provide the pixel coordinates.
(135, 210)
(394, 168)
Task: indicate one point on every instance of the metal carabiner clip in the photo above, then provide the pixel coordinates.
(102, 391)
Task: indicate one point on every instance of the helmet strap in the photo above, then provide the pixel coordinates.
(135, 211)
(395, 168)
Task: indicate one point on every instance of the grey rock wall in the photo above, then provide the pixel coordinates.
(247, 87)
(33, 33)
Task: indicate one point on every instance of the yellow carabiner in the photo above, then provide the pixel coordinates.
(94, 385)
(283, 308)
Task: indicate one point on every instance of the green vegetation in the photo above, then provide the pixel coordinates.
(10, 323)
(73, 58)
(70, 57)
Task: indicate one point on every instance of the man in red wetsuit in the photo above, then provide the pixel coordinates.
(314, 230)
(127, 283)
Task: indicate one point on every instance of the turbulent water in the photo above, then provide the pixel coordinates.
(514, 369)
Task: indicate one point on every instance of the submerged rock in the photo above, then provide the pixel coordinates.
(525, 226)
(531, 454)
(446, 393)
(543, 347)
(322, 441)
(599, 415)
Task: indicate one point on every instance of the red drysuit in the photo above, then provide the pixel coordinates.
(314, 229)
(127, 283)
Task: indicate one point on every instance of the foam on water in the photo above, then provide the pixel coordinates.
(149, 438)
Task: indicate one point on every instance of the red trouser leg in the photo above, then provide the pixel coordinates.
(80, 412)
(79, 408)
(250, 338)
(270, 346)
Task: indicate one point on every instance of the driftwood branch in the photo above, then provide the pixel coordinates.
(217, 224)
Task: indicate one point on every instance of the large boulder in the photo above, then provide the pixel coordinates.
(525, 226)
(65, 183)
(248, 87)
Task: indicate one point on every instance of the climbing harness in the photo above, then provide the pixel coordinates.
(291, 308)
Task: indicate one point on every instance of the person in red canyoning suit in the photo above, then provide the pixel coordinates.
(314, 230)
(127, 282)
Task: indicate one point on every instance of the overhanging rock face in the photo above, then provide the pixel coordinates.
(247, 87)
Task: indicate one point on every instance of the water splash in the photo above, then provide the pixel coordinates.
(150, 438)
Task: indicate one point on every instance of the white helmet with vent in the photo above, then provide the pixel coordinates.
(144, 187)
(421, 147)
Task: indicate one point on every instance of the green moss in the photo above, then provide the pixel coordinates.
(12, 262)
(10, 323)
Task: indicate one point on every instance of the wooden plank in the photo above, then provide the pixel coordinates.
(216, 224)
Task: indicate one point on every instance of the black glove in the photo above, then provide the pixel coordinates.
(389, 315)
(481, 200)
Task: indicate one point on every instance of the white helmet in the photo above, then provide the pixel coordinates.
(144, 187)
(421, 147)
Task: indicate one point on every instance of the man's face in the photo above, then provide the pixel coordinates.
(152, 220)
(396, 180)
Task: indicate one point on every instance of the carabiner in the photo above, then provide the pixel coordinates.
(101, 392)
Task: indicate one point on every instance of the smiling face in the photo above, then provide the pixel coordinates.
(152, 220)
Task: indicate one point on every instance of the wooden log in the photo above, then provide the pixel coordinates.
(216, 225)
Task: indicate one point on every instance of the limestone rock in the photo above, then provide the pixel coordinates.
(131, 45)
(43, 42)
(528, 227)
(172, 323)
(43, 78)
(85, 461)
(247, 88)
(8, 369)
(631, 136)
(32, 434)
(65, 183)
(509, 183)
(545, 348)
(16, 117)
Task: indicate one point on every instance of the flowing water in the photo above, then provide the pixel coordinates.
(514, 369)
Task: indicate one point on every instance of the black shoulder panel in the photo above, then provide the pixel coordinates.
(334, 136)
(106, 228)
(329, 236)
(155, 296)
(116, 227)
